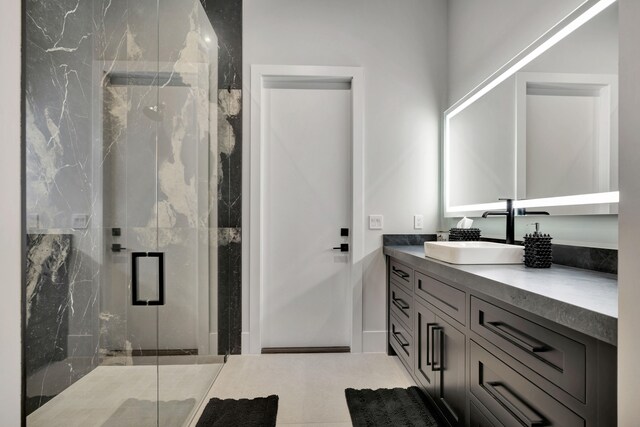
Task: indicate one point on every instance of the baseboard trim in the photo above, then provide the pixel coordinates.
(374, 341)
(298, 350)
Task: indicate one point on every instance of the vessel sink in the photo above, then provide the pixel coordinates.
(474, 252)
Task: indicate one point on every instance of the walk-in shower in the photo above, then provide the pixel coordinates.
(121, 299)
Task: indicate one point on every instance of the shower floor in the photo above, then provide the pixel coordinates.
(123, 396)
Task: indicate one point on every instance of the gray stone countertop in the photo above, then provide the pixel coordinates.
(583, 300)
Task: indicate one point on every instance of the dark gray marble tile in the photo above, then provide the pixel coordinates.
(230, 158)
(407, 239)
(47, 298)
(226, 18)
(47, 302)
(597, 259)
(229, 290)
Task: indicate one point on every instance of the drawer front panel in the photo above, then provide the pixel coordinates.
(447, 298)
(402, 342)
(401, 304)
(559, 359)
(511, 398)
(401, 274)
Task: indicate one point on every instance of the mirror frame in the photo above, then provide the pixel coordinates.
(581, 15)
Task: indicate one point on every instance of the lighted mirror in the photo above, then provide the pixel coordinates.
(542, 129)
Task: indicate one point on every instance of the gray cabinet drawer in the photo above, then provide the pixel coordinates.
(401, 274)
(511, 398)
(401, 304)
(555, 357)
(447, 298)
(402, 342)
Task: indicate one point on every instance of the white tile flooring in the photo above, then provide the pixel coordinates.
(310, 386)
(123, 396)
(310, 389)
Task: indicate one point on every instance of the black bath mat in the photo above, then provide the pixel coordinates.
(259, 412)
(389, 407)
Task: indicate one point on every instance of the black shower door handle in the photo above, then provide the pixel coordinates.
(135, 256)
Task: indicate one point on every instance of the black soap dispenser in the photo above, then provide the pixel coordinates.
(537, 249)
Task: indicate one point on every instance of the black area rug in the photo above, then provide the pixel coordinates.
(259, 412)
(389, 407)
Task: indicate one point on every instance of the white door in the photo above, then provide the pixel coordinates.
(307, 200)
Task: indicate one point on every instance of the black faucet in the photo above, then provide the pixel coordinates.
(511, 214)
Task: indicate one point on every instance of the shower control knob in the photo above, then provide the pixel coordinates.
(117, 247)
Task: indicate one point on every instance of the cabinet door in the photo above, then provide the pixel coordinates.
(478, 419)
(425, 322)
(449, 364)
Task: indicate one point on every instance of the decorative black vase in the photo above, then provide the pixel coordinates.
(464, 234)
(537, 249)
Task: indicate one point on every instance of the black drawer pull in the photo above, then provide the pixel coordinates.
(429, 341)
(513, 404)
(400, 273)
(403, 342)
(518, 338)
(400, 303)
(435, 368)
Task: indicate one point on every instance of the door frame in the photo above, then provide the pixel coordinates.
(299, 73)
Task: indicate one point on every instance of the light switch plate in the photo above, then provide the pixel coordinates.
(79, 221)
(376, 222)
(418, 222)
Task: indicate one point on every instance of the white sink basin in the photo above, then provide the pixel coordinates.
(474, 252)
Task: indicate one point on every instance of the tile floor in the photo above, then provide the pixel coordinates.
(125, 396)
(310, 386)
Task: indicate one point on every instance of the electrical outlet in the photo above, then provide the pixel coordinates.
(376, 222)
(418, 222)
(79, 221)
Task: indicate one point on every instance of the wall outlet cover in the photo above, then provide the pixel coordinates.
(376, 222)
(418, 222)
(79, 221)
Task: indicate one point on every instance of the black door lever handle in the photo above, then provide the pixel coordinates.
(344, 247)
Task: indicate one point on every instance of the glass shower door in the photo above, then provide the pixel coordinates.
(165, 196)
(134, 266)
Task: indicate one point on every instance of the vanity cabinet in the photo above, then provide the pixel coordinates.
(484, 363)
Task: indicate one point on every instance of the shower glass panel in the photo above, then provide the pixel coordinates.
(121, 294)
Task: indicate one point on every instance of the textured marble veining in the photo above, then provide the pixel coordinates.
(48, 299)
(583, 300)
(226, 17)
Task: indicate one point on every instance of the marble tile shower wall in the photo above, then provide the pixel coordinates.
(226, 17)
(88, 148)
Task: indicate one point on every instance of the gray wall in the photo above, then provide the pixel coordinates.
(629, 268)
(483, 36)
(401, 47)
(10, 263)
